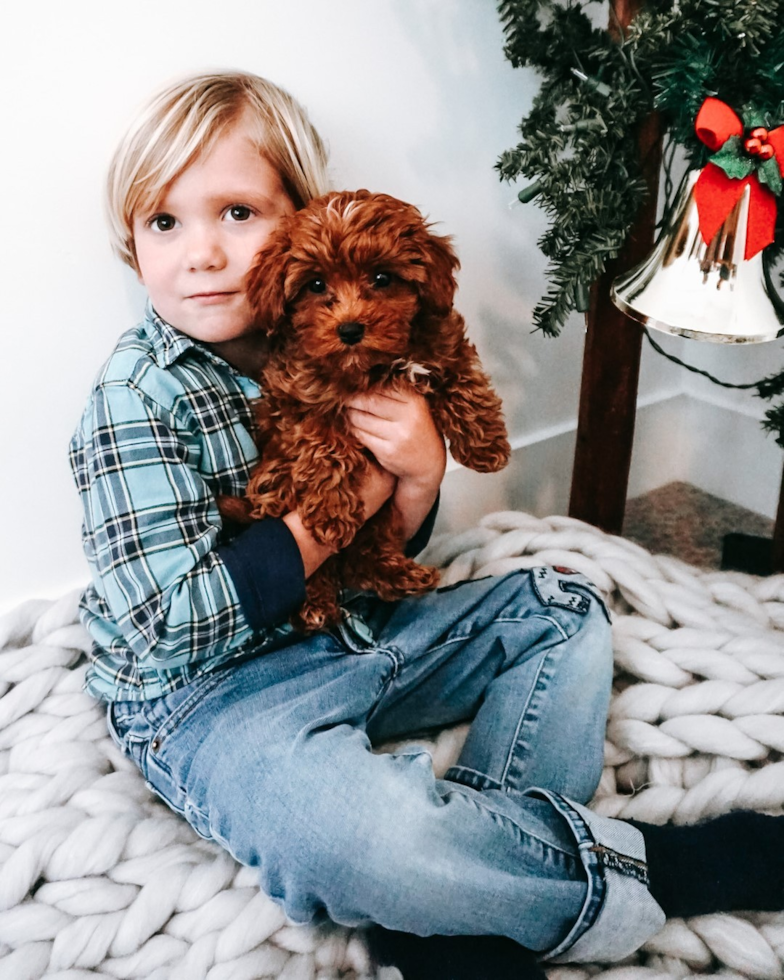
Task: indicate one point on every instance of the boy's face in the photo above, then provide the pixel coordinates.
(195, 248)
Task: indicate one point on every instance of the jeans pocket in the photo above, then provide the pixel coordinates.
(176, 708)
(566, 589)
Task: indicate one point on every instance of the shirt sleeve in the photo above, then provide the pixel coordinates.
(154, 527)
(423, 535)
(266, 567)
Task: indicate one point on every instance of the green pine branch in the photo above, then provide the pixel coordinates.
(578, 144)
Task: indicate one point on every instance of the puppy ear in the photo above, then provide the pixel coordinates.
(437, 289)
(266, 281)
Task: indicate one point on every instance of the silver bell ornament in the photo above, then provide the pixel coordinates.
(708, 276)
(703, 291)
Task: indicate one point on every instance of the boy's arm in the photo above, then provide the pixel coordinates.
(151, 532)
(419, 541)
(270, 560)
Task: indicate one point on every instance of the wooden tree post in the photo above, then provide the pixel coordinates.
(611, 361)
(777, 554)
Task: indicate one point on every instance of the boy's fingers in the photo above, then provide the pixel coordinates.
(366, 422)
(377, 445)
(376, 404)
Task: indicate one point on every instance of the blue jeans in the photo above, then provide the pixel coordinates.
(272, 759)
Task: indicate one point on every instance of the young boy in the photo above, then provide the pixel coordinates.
(260, 737)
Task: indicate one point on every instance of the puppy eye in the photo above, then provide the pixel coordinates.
(317, 286)
(381, 280)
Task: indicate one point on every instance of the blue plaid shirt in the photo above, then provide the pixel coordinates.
(168, 425)
(174, 594)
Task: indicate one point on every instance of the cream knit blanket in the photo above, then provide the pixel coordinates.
(99, 879)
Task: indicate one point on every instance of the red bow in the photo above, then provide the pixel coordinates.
(716, 193)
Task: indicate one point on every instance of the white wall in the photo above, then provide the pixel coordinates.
(716, 434)
(414, 98)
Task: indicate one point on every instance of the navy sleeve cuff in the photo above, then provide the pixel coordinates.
(266, 567)
(420, 539)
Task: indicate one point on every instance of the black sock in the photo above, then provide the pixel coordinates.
(453, 957)
(732, 863)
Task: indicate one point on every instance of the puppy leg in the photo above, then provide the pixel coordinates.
(270, 489)
(234, 509)
(325, 476)
(375, 561)
(469, 415)
(332, 514)
(320, 609)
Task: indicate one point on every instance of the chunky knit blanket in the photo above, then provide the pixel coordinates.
(99, 879)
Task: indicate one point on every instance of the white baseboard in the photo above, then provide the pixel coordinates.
(677, 437)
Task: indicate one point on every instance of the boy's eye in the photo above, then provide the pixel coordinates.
(317, 285)
(162, 222)
(239, 212)
(381, 280)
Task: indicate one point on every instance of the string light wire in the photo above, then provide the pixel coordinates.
(696, 370)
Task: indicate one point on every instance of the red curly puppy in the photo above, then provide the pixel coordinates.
(354, 292)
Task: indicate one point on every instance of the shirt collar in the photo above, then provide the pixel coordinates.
(169, 344)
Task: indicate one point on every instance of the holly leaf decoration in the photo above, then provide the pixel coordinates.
(752, 117)
(732, 160)
(770, 175)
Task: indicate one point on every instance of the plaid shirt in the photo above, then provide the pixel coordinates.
(167, 426)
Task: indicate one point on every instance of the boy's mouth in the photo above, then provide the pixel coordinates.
(212, 297)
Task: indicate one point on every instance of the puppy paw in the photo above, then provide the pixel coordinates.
(487, 457)
(421, 578)
(314, 618)
(334, 533)
(406, 580)
(236, 509)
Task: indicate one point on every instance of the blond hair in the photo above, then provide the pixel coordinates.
(184, 121)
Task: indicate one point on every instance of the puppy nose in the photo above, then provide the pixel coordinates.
(351, 333)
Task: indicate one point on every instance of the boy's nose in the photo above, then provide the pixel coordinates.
(205, 251)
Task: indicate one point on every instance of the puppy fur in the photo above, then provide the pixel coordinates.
(354, 292)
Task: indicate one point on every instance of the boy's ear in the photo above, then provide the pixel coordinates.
(266, 283)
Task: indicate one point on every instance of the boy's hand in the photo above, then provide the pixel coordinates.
(398, 429)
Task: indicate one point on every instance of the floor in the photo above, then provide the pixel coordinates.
(679, 519)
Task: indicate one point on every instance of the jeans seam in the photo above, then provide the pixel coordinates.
(477, 799)
(389, 653)
(487, 781)
(592, 867)
(462, 637)
(395, 655)
(183, 711)
(533, 689)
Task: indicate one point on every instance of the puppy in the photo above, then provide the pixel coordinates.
(354, 293)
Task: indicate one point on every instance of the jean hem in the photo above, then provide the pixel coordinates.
(619, 913)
